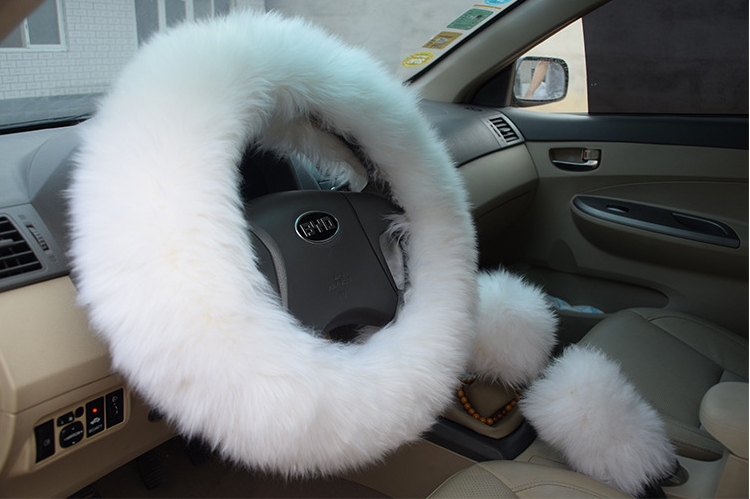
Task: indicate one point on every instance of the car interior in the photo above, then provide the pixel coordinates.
(636, 225)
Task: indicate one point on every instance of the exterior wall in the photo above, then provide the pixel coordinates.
(97, 30)
(92, 31)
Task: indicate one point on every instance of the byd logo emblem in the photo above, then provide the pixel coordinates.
(317, 227)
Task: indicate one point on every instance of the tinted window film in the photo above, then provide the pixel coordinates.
(668, 56)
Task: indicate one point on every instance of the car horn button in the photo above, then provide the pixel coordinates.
(317, 227)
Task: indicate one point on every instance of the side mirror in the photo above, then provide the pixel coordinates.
(540, 80)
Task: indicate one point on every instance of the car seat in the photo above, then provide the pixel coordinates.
(510, 479)
(674, 359)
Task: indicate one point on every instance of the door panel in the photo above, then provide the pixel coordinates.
(589, 260)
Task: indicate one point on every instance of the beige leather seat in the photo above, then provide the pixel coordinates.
(674, 359)
(510, 479)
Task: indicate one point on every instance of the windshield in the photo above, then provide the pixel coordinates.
(58, 60)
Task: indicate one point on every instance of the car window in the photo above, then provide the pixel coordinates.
(67, 52)
(567, 45)
(645, 57)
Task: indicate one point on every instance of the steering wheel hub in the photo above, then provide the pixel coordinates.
(317, 227)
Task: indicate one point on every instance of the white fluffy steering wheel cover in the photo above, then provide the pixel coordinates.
(166, 270)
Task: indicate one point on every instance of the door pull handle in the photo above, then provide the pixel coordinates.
(576, 166)
(576, 159)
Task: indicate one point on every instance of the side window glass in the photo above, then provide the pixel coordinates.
(566, 45)
(668, 57)
(646, 57)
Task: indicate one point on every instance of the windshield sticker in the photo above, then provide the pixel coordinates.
(475, 16)
(417, 59)
(470, 19)
(441, 40)
(497, 3)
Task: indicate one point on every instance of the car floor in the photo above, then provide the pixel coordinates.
(177, 469)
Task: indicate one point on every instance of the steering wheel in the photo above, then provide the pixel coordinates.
(216, 312)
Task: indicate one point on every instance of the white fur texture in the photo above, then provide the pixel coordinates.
(166, 270)
(585, 408)
(515, 329)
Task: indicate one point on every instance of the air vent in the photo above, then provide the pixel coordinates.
(504, 129)
(16, 257)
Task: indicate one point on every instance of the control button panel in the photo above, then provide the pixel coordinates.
(79, 423)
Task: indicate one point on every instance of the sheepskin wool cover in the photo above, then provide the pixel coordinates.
(584, 407)
(164, 264)
(514, 331)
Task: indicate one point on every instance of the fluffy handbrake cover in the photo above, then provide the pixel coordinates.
(515, 329)
(585, 408)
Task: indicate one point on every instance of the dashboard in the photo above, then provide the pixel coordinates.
(65, 418)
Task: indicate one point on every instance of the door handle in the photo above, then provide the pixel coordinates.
(575, 159)
(575, 166)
